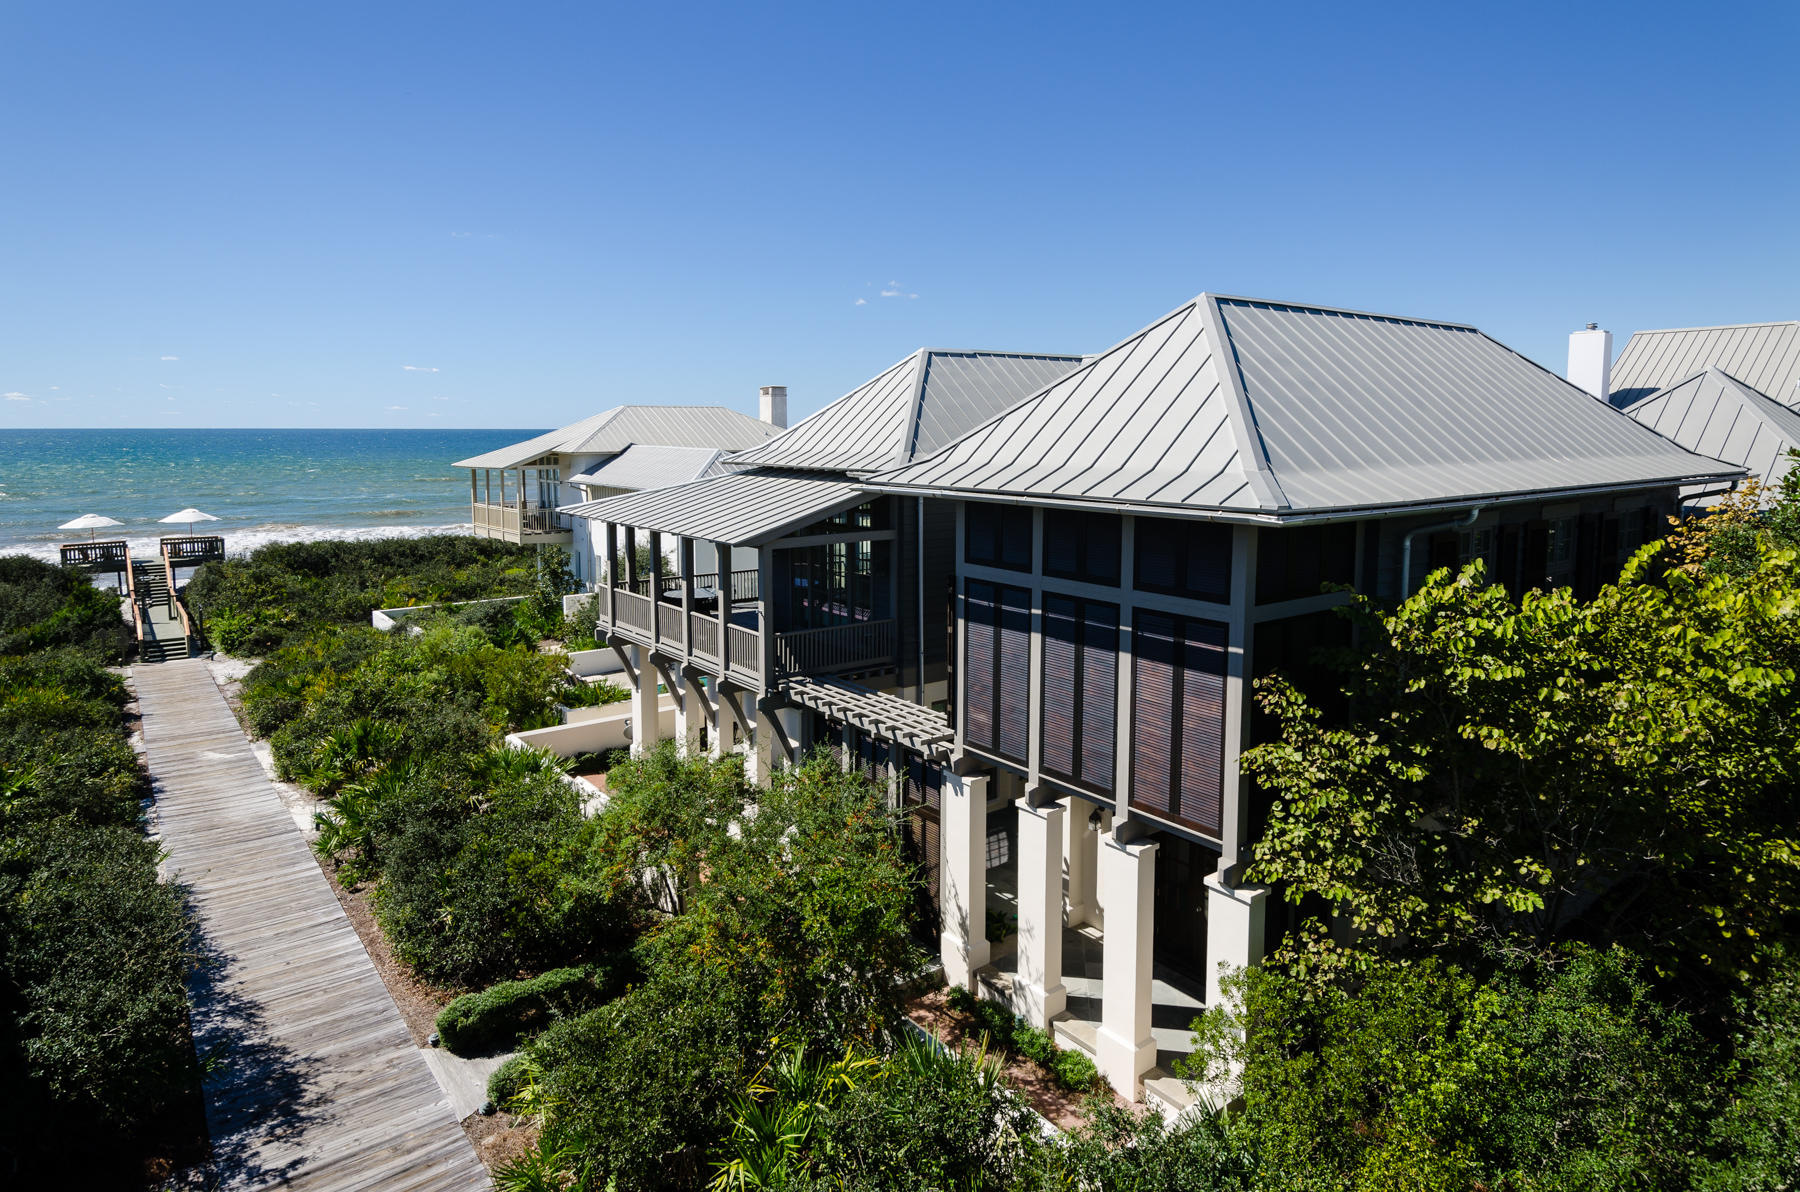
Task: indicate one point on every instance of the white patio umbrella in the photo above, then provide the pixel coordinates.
(89, 522)
(190, 515)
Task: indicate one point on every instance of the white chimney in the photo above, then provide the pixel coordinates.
(774, 405)
(1590, 360)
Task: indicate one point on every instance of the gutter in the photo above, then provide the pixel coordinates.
(1406, 544)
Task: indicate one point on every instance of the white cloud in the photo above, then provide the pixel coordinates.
(894, 291)
(54, 388)
(162, 386)
(860, 302)
(435, 414)
(416, 368)
(440, 399)
(396, 407)
(15, 396)
(171, 357)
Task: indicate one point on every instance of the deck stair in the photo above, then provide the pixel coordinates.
(165, 628)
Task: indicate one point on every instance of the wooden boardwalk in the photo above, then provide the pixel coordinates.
(319, 1085)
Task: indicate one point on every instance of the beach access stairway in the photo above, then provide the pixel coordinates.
(313, 1082)
(164, 630)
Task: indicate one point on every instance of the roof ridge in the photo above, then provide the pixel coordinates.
(1262, 477)
(1335, 310)
(1716, 327)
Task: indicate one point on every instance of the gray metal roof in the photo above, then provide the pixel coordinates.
(739, 508)
(912, 409)
(648, 465)
(1715, 414)
(618, 428)
(1764, 356)
(1236, 405)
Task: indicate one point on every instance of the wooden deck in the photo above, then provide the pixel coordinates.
(320, 1086)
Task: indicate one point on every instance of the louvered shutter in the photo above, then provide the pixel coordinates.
(1012, 717)
(1202, 716)
(1153, 710)
(1062, 543)
(981, 624)
(1156, 549)
(1208, 563)
(1061, 643)
(1099, 693)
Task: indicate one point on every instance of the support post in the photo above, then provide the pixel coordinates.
(1235, 917)
(723, 551)
(690, 713)
(1038, 992)
(1080, 840)
(962, 830)
(1127, 881)
(646, 708)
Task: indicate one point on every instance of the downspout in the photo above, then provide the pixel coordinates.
(1461, 523)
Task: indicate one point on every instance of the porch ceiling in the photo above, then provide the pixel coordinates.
(741, 509)
(890, 716)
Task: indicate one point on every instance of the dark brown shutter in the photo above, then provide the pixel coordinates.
(1062, 543)
(1155, 551)
(1534, 557)
(1061, 637)
(1099, 693)
(1203, 726)
(1012, 717)
(1153, 710)
(981, 627)
(1506, 570)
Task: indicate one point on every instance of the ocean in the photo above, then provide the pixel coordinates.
(263, 485)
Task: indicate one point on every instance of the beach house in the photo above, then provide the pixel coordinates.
(515, 491)
(1031, 593)
(1730, 392)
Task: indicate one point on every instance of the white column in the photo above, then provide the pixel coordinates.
(1235, 918)
(962, 835)
(1079, 842)
(1127, 884)
(1038, 992)
(728, 727)
(646, 723)
(690, 714)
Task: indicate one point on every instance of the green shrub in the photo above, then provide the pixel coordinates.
(44, 607)
(1033, 1044)
(1074, 1071)
(500, 1015)
(508, 1080)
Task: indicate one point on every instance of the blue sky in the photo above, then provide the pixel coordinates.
(387, 214)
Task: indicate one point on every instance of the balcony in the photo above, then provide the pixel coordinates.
(527, 525)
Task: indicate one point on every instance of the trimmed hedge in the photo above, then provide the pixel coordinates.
(507, 1081)
(500, 1015)
(1010, 1032)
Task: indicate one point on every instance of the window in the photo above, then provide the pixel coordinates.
(1560, 549)
(1178, 720)
(997, 653)
(835, 584)
(1480, 544)
(1637, 529)
(870, 515)
(1183, 558)
(1082, 546)
(1299, 561)
(997, 535)
(1081, 690)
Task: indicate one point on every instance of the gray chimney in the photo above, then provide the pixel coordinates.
(773, 409)
(1590, 360)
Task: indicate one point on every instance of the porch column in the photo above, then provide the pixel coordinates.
(1235, 917)
(1038, 993)
(1080, 840)
(646, 707)
(1127, 883)
(690, 713)
(962, 832)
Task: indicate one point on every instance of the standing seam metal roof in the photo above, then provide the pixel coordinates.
(1240, 405)
(647, 465)
(1716, 414)
(1764, 356)
(910, 409)
(739, 508)
(618, 428)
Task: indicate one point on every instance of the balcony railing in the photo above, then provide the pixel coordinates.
(703, 636)
(192, 551)
(515, 521)
(111, 556)
(746, 652)
(856, 646)
(632, 611)
(668, 625)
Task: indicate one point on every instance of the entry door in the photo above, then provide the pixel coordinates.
(921, 791)
(1180, 936)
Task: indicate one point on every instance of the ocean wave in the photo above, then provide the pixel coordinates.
(242, 542)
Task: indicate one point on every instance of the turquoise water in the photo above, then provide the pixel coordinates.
(263, 485)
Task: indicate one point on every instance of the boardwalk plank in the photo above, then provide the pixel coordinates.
(322, 1089)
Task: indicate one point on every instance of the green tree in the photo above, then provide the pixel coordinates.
(1521, 772)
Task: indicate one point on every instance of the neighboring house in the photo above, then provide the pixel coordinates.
(1726, 392)
(514, 492)
(1036, 609)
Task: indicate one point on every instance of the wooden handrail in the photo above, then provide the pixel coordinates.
(137, 620)
(187, 626)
